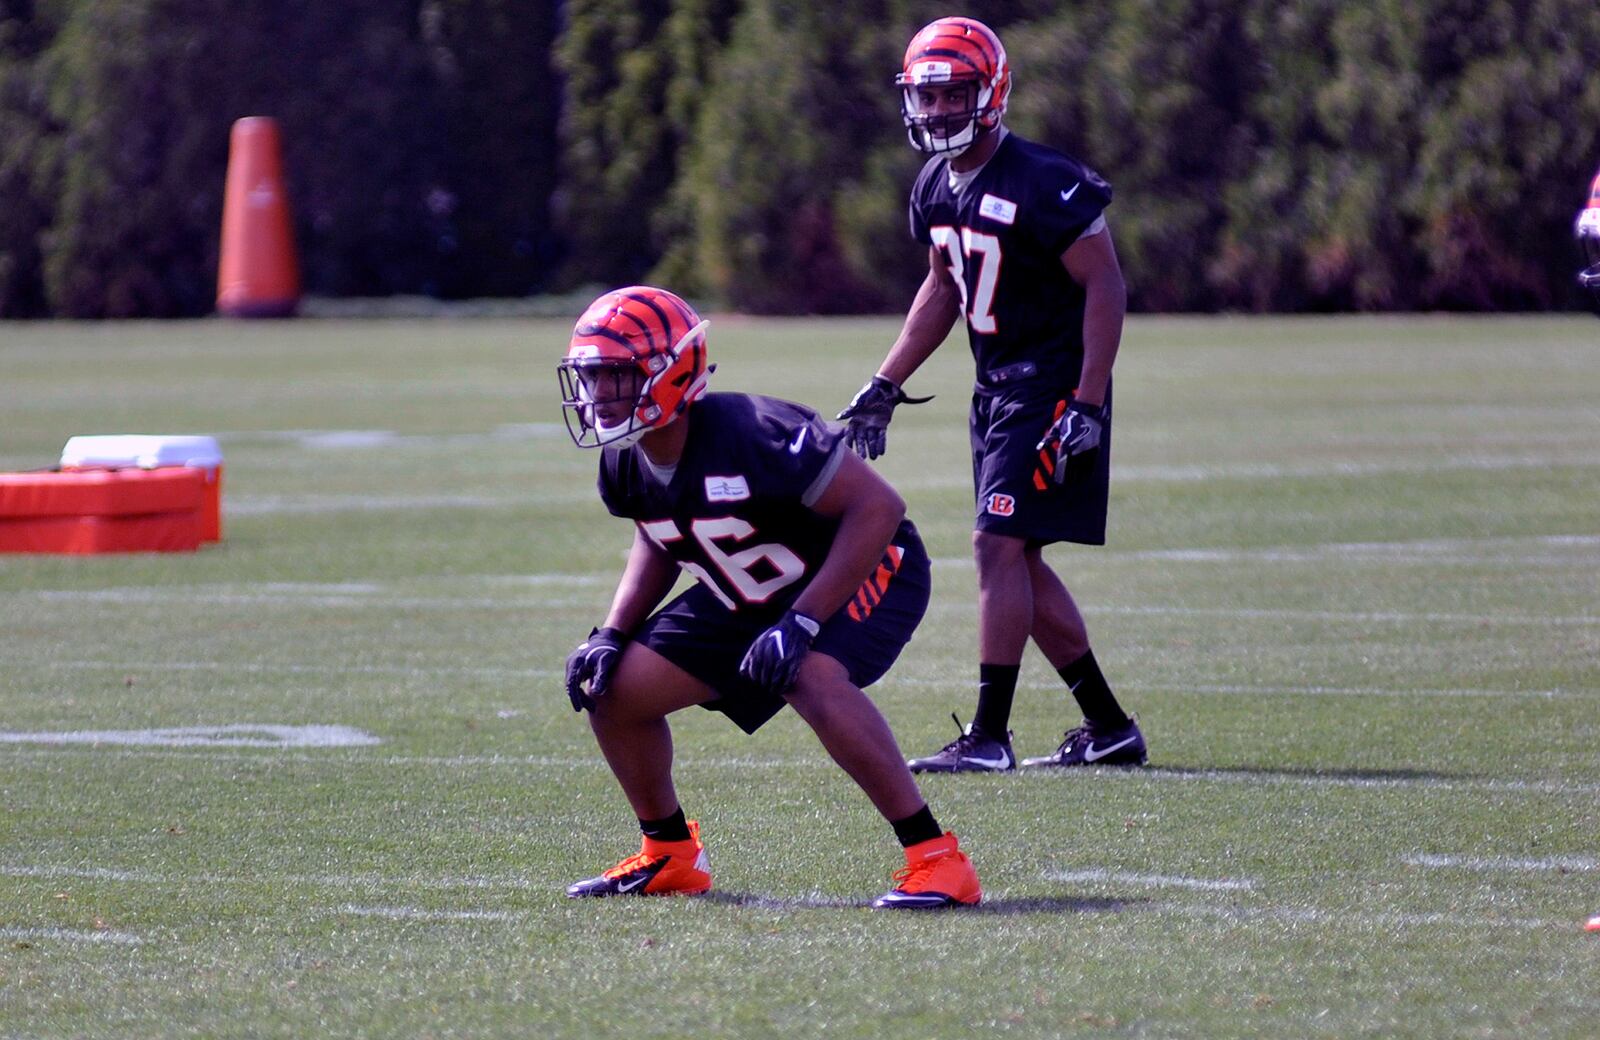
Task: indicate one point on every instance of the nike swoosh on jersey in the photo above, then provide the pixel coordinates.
(1066, 196)
(1091, 754)
(799, 439)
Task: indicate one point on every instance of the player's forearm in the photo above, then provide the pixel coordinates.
(865, 531)
(1105, 305)
(645, 582)
(928, 322)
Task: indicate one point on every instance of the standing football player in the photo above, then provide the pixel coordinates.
(1019, 247)
(810, 581)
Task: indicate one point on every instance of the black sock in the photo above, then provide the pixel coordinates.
(919, 827)
(997, 685)
(1094, 695)
(668, 828)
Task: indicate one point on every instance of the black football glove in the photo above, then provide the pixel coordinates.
(595, 660)
(869, 412)
(1076, 436)
(773, 660)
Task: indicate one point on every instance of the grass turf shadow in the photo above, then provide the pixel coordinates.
(1008, 907)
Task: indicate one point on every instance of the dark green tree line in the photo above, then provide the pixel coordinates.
(1266, 154)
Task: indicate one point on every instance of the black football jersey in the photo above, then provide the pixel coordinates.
(1002, 238)
(736, 512)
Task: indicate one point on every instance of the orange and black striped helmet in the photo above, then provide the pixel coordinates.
(636, 362)
(1588, 232)
(953, 51)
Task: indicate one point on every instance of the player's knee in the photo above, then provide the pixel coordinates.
(998, 552)
(822, 687)
(622, 703)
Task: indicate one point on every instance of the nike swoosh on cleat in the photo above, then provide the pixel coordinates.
(907, 899)
(624, 887)
(987, 763)
(1092, 754)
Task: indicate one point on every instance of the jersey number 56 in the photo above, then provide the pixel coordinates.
(737, 567)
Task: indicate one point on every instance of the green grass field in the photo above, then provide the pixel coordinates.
(1352, 591)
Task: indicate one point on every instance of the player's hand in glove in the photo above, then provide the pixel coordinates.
(595, 661)
(773, 660)
(869, 412)
(1076, 437)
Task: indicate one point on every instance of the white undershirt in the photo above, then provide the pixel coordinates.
(662, 474)
(960, 182)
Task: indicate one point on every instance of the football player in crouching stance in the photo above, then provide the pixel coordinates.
(810, 581)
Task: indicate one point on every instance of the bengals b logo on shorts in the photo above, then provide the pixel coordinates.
(1000, 505)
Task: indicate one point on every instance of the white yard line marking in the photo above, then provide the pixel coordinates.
(411, 913)
(1133, 473)
(343, 600)
(277, 668)
(427, 671)
(356, 881)
(334, 599)
(1362, 617)
(1076, 877)
(1246, 775)
(279, 505)
(1358, 691)
(1552, 549)
(230, 735)
(1550, 864)
(1271, 913)
(83, 873)
(322, 440)
(345, 760)
(68, 935)
(1476, 922)
(421, 671)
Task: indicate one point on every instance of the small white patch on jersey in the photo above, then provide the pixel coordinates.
(1002, 211)
(1589, 222)
(727, 489)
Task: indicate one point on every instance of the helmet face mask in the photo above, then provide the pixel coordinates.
(601, 401)
(943, 117)
(949, 53)
(636, 362)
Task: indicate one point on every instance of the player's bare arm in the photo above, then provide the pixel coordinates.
(933, 313)
(646, 579)
(1092, 263)
(869, 511)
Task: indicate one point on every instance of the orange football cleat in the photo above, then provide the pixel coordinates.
(937, 874)
(660, 868)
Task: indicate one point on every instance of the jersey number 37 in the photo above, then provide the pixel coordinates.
(968, 246)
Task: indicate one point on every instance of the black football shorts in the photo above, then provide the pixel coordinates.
(1016, 492)
(698, 634)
